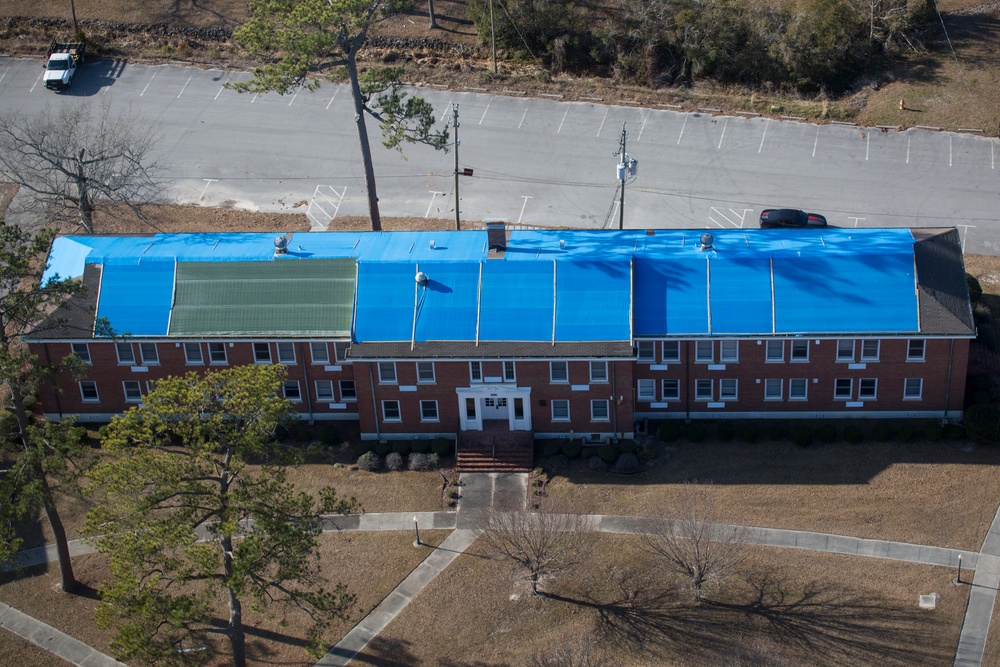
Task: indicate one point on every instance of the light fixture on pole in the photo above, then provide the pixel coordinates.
(458, 217)
(627, 168)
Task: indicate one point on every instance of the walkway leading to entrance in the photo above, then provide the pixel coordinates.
(52, 640)
(975, 628)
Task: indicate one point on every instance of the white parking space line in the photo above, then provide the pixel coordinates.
(3, 75)
(766, 122)
(293, 98)
(32, 89)
(434, 195)
(185, 86)
(643, 126)
(565, 113)
(950, 154)
(334, 96)
(868, 145)
(908, 138)
(447, 108)
(523, 204)
(965, 228)
(855, 219)
(724, 126)
(524, 115)
(221, 88)
(486, 110)
(734, 215)
(993, 144)
(816, 143)
(683, 125)
(606, 110)
(208, 182)
(321, 217)
(147, 84)
(254, 98)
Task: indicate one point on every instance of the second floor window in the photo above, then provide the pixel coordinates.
(192, 353)
(915, 350)
(320, 353)
(286, 353)
(217, 353)
(645, 351)
(598, 371)
(386, 372)
(508, 372)
(704, 351)
(150, 357)
(82, 350)
(800, 350)
(729, 350)
(126, 354)
(475, 371)
(261, 353)
(558, 372)
(425, 372)
(774, 350)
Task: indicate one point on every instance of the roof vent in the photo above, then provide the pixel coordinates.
(562, 243)
(496, 234)
(706, 241)
(281, 243)
(421, 278)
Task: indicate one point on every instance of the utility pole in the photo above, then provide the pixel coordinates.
(493, 38)
(627, 167)
(458, 217)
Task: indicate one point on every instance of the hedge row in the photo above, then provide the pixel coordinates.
(806, 434)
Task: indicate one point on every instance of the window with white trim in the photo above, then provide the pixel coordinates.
(387, 372)
(348, 391)
(671, 350)
(88, 391)
(772, 389)
(558, 372)
(798, 389)
(913, 389)
(729, 351)
(475, 371)
(340, 349)
(425, 372)
(704, 351)
(915, 350)
(843, 388)
(126, 353)
(845, 350)
(867, 388)
(671, 390)
(800, 351)
(728, 389)
(869, 349)
(324, 391)
(560, 410)
(82, 350)
(132, 390)
(508, 372)
(261, 353)
(645, 351)
(286, 352)
(599, 411)
(598, 371)
(703, 390)
(320, 353)
(217, 353)
(290, 388)
(150, 356)
(429, 411)
(774, 350)
(647, 390)
(390, 411)
(192, 354)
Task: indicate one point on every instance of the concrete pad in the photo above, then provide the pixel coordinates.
(70, 649)
(444, 520)
(97, 659)
(842, 545)
(873, 548)
(779, 538)
(348, 522)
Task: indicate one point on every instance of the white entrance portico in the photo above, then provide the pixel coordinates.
(495, 403)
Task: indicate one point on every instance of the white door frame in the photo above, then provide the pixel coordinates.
(507, 391)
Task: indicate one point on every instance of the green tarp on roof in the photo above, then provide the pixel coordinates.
(311, 296)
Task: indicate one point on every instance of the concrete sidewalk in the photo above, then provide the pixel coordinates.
(52, 640)
(979, 612)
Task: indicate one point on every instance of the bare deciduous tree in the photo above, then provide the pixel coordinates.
(71, 160)
(578, 653)
(692, 544)
(541, 544)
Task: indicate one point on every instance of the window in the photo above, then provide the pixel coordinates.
(671, 350)
(261, 353)
(774, 350)
(842, 388)
(470, 408)
(797, 388)
(772, 389)
(558, 371)
(286, 353)
(425, 371)
(291, 390)
(727, 389)
(729, 350)
(348, 392)
(149, 354)
(428, 411)
(340, 349)
(192, 353)
(217, 353)
(869, 350)
(82, 350)
(324, 391)
(913, 388)
(386, 372)
(646, 351)
(598, 371)
(704, 351)
(560, 411)
(320, 353)
(390, 411)
(703, 390)
(915, 350)
(126, 355)
(475, 371)
(845, 350)
(133, 391)
(599, 411)
(671, 390)
(867, 388)
(647, 390)
(508, 371)
(88, 391)
(800, 350)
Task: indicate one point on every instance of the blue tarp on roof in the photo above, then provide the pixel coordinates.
(671, 298)
(740, 295)
(386, 294)
(136, 299)
(66, 259)
(447, 305)
(592, 301)
(516, 301)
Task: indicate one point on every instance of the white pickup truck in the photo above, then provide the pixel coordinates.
(64, 60)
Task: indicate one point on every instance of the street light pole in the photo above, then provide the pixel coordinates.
(458, 217)
(622, 175)
(416, 528)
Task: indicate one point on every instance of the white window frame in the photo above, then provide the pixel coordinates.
(565, 372)
(152, 359)
(645, 351)
(258, 358)
(704, 351)
(561, 402)
(769, 355)
(601, 376)
(398, 410)
(286, 352)
(192, 361)
(729, 389)
(732, 355)
(296, 390)
(91, 384)
(324, 391)
(675, 351)
(908, 395)
(867, 355)
(793, 394)
(387, 372)
(509, 372)
(596, 406)
(137, 394)
(129, 360)
(323, 358)
(646, 390)
(347, 397)
(424, 417)
(869, 396)
(909, 349)
(673, 395)
(422, 375)
(340, 349)
(838, 395)
(795, 348)
(82, 350)
(769, 389)
(699, 390)
(212, 354)
(843, 354)
(475, 371)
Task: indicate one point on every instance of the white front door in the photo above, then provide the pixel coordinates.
(495, 407)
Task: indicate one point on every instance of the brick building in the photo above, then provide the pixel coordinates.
(537, 333)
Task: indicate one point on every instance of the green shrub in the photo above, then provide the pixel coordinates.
(669, 431)
(362, 447)
(954, 432)
(802, 435)
(725, 431)
(30, 401)
(628, 446)
(370, 461)
(827, 433)
(627, 464)
(423, 462)
(401, 447)
(443, 447)
(597, 464)
(571, 448)
(381, 448)
(776, 431)
(982, 423)
(749, 432)
(609, 453)
(421, 446)
(394, 461)
(853, 434)
(551, 448)
(975, 289)
(932, 431)
(882, 432)
(695, 432)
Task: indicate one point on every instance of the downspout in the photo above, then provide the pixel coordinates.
(305, 376)
(614, 398)
(371, 383)
(947, 388)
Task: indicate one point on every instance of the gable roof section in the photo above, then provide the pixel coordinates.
(944, 294)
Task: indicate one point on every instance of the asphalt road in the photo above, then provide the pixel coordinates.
(535, 161)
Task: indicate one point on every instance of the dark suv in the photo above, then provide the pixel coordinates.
(790, 217)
